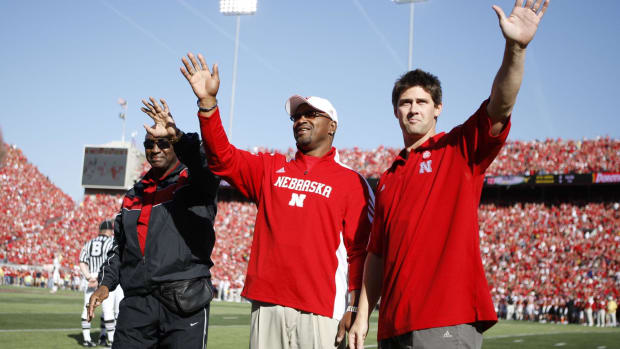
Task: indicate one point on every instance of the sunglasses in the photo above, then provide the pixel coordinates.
(308, 115)
(161, 143)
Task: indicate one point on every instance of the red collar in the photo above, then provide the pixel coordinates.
(309, 161)
(149, 175)
(430, 143)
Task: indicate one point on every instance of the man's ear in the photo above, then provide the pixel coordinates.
(333, 126)
(438, 109)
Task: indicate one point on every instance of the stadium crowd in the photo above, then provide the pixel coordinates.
(557, 156)
(544, 262)
(37, 219)
(551, 263)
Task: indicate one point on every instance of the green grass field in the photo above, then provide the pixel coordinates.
(34, 318)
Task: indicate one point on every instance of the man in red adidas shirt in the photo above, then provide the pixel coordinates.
(312, 225)
(424, 250)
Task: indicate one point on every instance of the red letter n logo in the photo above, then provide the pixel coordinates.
(425, 166)
(297, 200)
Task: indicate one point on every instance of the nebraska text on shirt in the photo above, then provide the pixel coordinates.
(303, 185)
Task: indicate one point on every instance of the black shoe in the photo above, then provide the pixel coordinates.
(89, 344)
(103, 341)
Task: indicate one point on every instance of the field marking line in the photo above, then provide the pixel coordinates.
(41, 330)
(39, 313)
(79, 329)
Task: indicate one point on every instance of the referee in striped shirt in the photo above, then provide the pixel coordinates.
(92, 257)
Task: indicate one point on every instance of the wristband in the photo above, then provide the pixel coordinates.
(205, 110)
(352, 309)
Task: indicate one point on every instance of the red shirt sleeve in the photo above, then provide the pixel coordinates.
(240, 168)
(477, 144)
(357, 221)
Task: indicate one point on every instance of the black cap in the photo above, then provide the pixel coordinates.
(108, 224)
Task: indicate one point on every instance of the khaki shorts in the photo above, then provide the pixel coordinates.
(277, 327)
(459, 336)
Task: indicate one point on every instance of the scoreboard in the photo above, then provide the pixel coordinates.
(110, 167)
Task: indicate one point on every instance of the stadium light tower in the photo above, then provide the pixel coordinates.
(411, 5)
(236, 8)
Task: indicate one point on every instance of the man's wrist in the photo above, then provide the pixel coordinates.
(207, 103)
(515, 47)
(352, 309)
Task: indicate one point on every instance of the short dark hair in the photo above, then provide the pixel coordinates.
(107, 225)
(429, 82)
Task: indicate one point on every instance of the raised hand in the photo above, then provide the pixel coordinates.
(164, 123)
(204, 83)
(522, 23)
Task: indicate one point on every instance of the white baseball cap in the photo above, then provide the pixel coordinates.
(318, 103)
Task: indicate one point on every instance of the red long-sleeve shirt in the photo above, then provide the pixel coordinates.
(312, 226)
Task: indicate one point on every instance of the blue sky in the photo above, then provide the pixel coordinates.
(64, 64)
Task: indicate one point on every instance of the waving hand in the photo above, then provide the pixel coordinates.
(164, 123)
(522, 23)
(204, 82)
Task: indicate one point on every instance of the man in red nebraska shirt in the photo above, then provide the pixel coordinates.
(312, 226)
(424, 250)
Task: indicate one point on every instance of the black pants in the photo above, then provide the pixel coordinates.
(143, 322)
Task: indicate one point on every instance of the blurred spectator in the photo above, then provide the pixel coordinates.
(612, 307)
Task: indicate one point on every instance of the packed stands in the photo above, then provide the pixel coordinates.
(234, 225)
(557, 156)
(29, 202)
(38, 219)
(547, 255)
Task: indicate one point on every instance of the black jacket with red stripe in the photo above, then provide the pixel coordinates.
(175, 213)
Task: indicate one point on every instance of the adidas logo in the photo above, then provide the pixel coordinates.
(280, 170)
(447, 334)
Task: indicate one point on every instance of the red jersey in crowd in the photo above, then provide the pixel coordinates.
(426, 231)
(314, 217)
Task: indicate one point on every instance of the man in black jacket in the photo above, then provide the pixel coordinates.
(163, 239)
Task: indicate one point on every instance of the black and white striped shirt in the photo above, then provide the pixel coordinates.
(95, 252)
